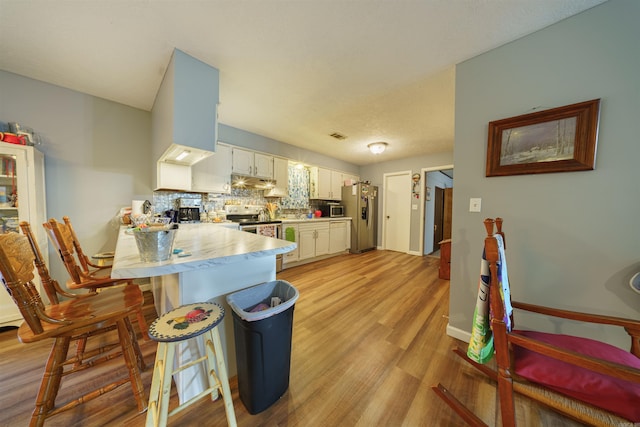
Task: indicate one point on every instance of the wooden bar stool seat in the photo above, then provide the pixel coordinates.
(170, 330)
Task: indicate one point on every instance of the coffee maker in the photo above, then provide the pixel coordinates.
(189, 210)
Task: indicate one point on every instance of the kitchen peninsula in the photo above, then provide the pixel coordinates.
(221, 261)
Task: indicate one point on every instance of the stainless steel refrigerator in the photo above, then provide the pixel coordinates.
(361, 204)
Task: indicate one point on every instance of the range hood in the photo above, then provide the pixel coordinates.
(241, 181)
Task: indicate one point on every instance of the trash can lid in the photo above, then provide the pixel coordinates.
(246, 299)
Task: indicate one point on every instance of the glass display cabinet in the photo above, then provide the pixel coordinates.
(22, 198)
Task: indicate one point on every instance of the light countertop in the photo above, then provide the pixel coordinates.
(312, 220)
(209, 245)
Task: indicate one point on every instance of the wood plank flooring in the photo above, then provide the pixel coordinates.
(369, 341)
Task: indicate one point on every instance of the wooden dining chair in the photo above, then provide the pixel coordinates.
(585, 379)
(56, 294)
(92, 278)
(85, 261)
(68, 321)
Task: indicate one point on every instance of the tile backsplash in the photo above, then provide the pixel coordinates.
(296, 201)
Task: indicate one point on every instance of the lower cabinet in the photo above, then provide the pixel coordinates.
(338, 237)
(293, 256)
(316, 239)
(313, 240)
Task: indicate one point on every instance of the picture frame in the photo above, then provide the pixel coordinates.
(560, 139)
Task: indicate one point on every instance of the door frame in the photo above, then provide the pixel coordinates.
(423, 177)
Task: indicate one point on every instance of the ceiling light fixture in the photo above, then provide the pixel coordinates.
(377, 147)
(182, 155)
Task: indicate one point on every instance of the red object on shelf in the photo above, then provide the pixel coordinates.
(318, 214)
(12, 138)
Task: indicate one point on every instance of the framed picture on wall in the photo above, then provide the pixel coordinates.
(560, 139)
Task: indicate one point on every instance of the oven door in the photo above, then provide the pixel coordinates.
(255, 228)
(249, 228)
(270, 230)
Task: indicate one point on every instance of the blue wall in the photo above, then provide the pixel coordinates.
(573, 238)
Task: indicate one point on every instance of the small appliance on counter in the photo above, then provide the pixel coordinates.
(189, 210)
(332, 210)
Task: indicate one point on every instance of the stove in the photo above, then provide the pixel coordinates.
(248, 219)
(248, 215)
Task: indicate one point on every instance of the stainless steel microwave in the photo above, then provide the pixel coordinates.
(332, 211)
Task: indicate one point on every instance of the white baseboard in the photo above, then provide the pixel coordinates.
(416, 253)
(458, 333)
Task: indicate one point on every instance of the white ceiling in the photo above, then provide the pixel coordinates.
(291, 70)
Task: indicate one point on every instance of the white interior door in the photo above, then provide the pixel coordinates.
(397, 211)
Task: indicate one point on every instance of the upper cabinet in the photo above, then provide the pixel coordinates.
(184, 119)
(325, 184)
(281, 178)
(213, 174)
(250, 163)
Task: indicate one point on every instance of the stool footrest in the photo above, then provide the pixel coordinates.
(193, 400)
(189, 364)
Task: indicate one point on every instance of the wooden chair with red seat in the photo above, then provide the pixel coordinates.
(56, 294)
(92, 278)
(587, 380)
(69, 321)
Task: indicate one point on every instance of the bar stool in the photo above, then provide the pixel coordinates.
(171, 329)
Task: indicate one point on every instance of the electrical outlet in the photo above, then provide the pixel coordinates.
(475, 204)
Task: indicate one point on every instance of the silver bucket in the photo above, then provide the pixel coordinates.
(155, 245)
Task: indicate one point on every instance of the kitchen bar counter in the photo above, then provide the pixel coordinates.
(209, 244)
(222, 261)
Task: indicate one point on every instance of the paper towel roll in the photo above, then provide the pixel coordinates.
(136, 207)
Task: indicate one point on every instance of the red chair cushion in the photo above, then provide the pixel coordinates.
(612, 394)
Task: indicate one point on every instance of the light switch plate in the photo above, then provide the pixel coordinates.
(475, 204)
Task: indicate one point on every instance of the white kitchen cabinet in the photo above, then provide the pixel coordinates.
(213, 174)
(171, 176)
(281, 177)
(338, 236)
(22, 172)
(292, 256)
(335, 191)
(326, 184)
(262, 166)
(250, 163)
(314, 240)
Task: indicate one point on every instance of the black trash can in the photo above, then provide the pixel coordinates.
(263, 342)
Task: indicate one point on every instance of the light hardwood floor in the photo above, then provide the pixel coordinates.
(369, 341)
